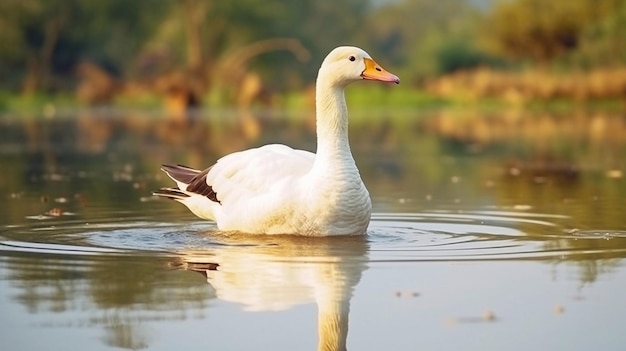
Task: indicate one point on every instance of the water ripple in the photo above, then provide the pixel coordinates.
(392, 237)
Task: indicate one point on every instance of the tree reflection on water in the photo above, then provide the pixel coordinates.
(92, 168)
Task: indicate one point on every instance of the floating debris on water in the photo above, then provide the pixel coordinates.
(514, 171)
(558, 309)
(148, 198)
(403, 294)
(55, 212)
(122, 177)
(489, 316)
(614, 173)
(38, 217)
(54, 177)
(486, 316)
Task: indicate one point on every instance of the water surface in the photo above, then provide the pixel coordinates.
(489, 233)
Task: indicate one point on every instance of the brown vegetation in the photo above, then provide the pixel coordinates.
(538, 84)
(183, 89)
(538, 129)
(95, 84)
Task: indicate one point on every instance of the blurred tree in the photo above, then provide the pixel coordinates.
(45, 40)
(47, 37)
(424, 37)
(224, 46)
(543, 30)
(603, 43)
(225, 27)
(31, 31)
(457, 53)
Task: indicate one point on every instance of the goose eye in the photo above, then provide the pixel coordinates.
(351, 58)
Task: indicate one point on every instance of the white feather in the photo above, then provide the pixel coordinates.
(275, 189)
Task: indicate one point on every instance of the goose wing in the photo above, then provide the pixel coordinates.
(244, 175)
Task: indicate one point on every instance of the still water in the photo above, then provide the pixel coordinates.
(490, 232)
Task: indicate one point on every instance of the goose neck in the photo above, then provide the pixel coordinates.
(332, 120)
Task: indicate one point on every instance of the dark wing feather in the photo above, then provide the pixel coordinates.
(180, 173)
(195, 180)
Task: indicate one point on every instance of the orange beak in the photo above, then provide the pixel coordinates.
(373, 71)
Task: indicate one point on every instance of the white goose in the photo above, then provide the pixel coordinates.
(275, 189)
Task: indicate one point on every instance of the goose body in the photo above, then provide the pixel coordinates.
(275, 189)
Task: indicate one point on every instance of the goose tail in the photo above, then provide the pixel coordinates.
(171, 193)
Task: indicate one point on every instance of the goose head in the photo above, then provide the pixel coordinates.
(347, 64)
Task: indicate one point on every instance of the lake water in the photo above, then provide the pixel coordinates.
(502, 231)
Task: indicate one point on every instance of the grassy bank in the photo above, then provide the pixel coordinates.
(359, 97)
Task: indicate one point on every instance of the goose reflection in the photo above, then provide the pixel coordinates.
(279, 272)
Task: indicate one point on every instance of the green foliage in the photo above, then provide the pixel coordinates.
(135, 38)
(36, 105)
(371, 97)
(603, 43)
(411, 34)
(456, 54)
(52, 36)
(544, 30)
(44, 40)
